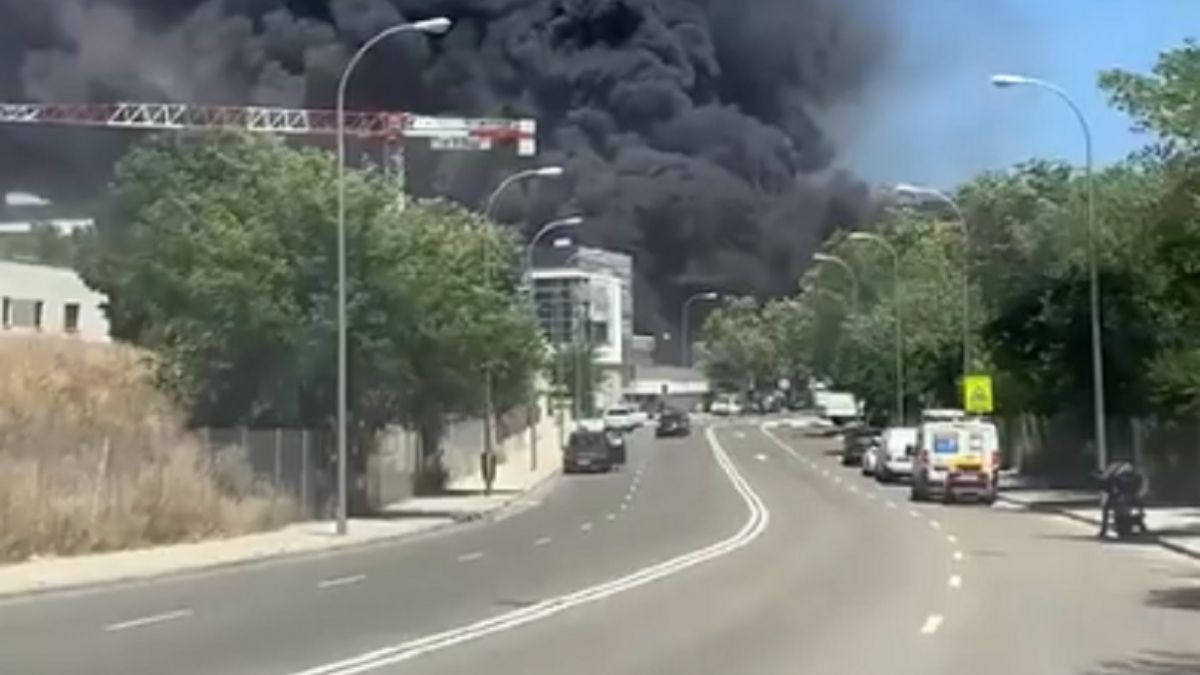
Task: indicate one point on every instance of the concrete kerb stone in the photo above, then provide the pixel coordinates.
(504, 508)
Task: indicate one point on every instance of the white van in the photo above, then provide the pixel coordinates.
(956, 458)
(895, 462)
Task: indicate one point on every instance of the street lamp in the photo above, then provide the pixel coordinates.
(685, 356)
(570, 221)
(918, 192)
(435, 26)
(1004, 81)
(869, 237)
(488, 457)
(538, 172)
(834, 260)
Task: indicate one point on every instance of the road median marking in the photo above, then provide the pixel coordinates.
(148, 620)
(932, 623)
(756, 522)
(341, 581)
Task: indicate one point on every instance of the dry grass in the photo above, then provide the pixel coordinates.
(93, 457)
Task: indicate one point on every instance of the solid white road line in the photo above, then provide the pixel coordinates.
(758, 519)
(932, 623)
(341, 581)
(542, 541)
(585, 527)
(148, 620)
(955, 581)
(468, 557)
(958, 555)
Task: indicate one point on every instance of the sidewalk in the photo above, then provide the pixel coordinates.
(1174, 528)
(464, 501)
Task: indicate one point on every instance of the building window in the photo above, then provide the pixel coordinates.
(71, 317)
(21, 313)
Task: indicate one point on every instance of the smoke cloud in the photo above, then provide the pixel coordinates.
(691, 128)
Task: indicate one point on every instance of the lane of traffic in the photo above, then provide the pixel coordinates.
(793, 600)
(1052, 598)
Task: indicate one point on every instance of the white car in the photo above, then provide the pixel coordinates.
(622, 417)
(726, 405)
(894, 461)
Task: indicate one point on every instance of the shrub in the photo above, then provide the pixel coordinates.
(94, 457)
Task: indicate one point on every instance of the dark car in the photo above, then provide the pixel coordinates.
(588, 450)
(673, 423)
(856, 442)
(616, 446)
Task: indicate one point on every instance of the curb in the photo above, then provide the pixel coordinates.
(492, 514)
(1149, 537)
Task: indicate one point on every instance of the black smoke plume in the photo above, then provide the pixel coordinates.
(692, 128)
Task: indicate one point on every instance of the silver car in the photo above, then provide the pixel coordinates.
(894, 459)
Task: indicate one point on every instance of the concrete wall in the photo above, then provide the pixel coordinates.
(54, 288)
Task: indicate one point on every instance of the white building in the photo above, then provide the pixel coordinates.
(587, 294)
(38, 299)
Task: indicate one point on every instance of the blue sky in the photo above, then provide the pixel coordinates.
(934, 119)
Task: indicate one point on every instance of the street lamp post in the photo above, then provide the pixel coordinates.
(570, 221)
(920, 192)
(869, 237)
(834, 260)
(684, 350)
(488, 458)
(1004, 81)
(434, 26)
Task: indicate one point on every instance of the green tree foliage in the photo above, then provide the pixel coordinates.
(221, 257)
(576, 374)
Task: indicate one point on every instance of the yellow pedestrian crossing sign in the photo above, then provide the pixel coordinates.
(977, 393)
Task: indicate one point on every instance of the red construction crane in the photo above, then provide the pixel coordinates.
(447, 133)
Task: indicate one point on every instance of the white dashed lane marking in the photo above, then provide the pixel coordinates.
(611, 516)
(955, 581)
(952, 539)
(342, 581)
(932, 623)
(468, 557)
(958, 555)
(148, 620)
(760, 457)
(542, 541)
(585, 527)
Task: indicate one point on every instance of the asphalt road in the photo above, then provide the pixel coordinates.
(760, 555)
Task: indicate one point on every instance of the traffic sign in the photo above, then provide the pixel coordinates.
(977, 393)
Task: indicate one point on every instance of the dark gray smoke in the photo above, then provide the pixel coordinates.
(691, 127)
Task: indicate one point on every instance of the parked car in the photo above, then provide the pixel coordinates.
(894, 463)
(672, 422)
(856, 442)
(955, 459)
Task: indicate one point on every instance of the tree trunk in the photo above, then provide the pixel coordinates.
(431, 474)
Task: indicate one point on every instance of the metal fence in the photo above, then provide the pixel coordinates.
(302, 463)
(1062, 448)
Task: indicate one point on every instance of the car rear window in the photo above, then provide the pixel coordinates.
(945, 443)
